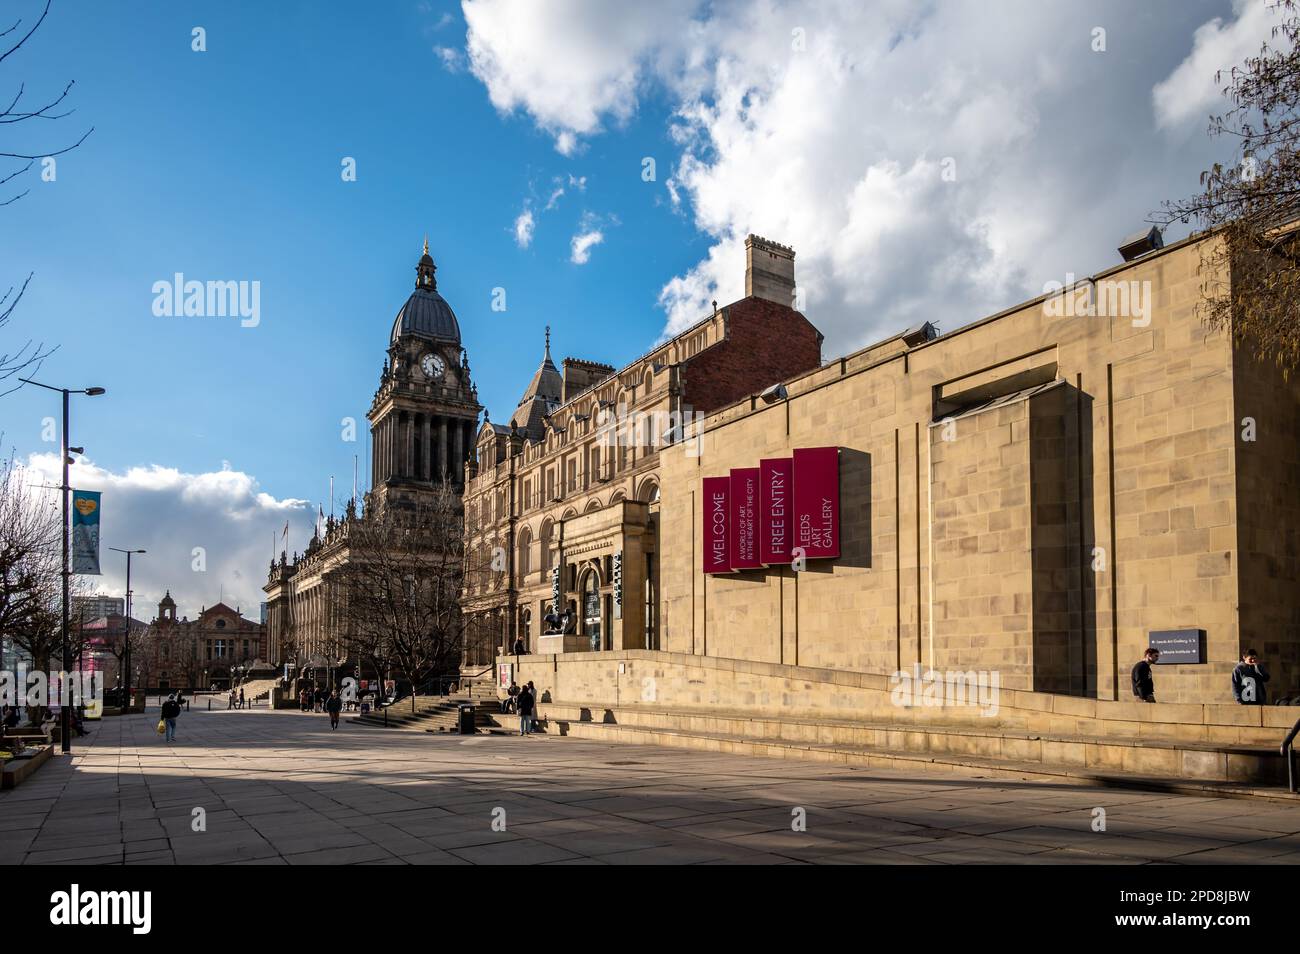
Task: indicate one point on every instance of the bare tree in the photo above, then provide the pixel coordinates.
(1251, 279)
(17, 162)
(400, 587)
(30, 591)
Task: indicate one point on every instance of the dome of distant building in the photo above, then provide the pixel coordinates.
(426, 314)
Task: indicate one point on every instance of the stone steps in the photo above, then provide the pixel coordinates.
(442, 715)
(976, 747)
(966, 766)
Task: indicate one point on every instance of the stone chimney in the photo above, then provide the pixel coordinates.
(769, 271)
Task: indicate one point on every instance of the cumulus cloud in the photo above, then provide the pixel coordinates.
(1190, 94)
(569, 63)
(582, 244)
(926, 161)
(169, 513)
(524, 228)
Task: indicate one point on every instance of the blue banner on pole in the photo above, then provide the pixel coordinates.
(85, 532)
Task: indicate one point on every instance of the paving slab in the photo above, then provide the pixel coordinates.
(279, 787)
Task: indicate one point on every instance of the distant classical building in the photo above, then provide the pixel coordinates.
(562, 501)
(207, 652)
(422, 422)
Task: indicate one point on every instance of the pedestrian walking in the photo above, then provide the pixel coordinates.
(230, 700)
(1248, 680)
(302, 700)
(334, 706)
(171, 709)
(525, 702)
(241, 697)
(1144, 684)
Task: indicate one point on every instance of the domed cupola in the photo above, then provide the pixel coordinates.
(426, 314)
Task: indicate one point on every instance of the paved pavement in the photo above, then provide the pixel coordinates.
(281, 788)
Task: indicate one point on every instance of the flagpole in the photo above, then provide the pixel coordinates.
(331, 496)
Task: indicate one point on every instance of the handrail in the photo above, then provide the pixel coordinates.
(1288, 753)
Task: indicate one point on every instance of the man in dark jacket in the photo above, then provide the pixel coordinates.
(525, 702)
(1144, 684)
(1248, 680)
(334, 706)
(170, 710)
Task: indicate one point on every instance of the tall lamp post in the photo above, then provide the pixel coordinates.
(126, 658)
(65, 726)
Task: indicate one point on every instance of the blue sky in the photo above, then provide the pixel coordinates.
(824, 125)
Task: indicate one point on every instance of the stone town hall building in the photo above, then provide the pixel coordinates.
(422, 422)
(562, 500)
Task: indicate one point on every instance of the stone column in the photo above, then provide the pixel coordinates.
(394, 466)
(408, 443)
(426, 467)
(444, 470)
(458, 459)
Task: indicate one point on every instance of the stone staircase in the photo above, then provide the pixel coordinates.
(1146, 762)
(256, 689)
(435, 714)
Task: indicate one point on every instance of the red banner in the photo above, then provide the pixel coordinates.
(716, 519)
(775, 486)
(744, 519)
(817, 501)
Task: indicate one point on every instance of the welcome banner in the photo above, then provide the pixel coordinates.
(716, 519)
(85, 532)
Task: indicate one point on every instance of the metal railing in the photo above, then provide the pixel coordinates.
(1288, 753)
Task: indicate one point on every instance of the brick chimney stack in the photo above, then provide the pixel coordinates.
(769, 271)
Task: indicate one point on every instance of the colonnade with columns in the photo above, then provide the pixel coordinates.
(416, 446)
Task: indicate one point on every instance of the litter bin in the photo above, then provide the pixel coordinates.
(465, 722)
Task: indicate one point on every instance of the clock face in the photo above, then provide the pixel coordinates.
(433, 366)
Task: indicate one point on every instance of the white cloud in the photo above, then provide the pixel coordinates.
(836, 127)
(169, 513)
(453, 61)
(1190, 94)
(569, 63)
(582, 244)
(524, 228)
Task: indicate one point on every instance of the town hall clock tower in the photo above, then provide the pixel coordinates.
(425, 412)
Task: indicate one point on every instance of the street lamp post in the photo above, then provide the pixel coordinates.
(65, 722)
(126, 657)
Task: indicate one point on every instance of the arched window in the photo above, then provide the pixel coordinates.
(649, 492)
(547, 532)
(525, 545)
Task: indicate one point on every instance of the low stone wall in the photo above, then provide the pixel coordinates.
(630, 678)
(17, 771)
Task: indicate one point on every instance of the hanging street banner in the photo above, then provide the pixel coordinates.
(85, 532)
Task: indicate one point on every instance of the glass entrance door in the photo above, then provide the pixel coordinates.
(591, 611)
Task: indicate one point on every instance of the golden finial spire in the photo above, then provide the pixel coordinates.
(426, 245)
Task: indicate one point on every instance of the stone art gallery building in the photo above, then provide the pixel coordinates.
(1042, 493)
